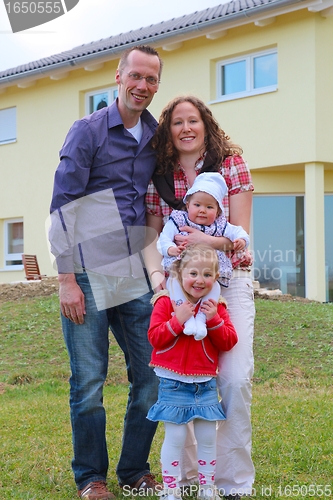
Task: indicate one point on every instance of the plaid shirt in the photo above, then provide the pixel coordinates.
(237, 176)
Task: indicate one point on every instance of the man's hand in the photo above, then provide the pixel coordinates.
(71, 299)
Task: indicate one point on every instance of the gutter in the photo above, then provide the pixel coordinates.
(157, 39)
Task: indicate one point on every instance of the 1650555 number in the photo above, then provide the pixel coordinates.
(34, 7)
(303, 490)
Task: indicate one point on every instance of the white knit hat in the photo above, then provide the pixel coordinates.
(211, 183)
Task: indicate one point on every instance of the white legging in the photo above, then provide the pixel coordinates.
(172, 448)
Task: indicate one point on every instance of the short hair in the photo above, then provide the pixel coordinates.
(146, 49)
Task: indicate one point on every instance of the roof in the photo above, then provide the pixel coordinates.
(188, 26)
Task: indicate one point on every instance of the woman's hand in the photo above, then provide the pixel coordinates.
(157, 280)
(183, 312)
(209, 308)
(160, 287)
(195, 236)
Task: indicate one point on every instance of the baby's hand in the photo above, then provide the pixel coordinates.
(183, 312)
(175, 251)
(239, 244)
(209, 308)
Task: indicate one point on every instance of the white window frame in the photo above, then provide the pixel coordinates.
(250, 90)
(11, 256)
(112, 93)
(8, 130)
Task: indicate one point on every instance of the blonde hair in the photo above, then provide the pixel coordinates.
(192, 253)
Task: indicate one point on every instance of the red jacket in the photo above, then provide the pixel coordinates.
(181, 353)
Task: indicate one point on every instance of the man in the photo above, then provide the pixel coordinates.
(97, 211)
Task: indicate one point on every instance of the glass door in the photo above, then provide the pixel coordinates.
(278, 243)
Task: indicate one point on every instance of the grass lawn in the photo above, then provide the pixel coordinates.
(292, 411)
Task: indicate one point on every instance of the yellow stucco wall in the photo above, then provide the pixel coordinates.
(276, 128)
(45, 112)
(279, 131)
(324, 88)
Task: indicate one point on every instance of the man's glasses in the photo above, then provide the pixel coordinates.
(136, 77)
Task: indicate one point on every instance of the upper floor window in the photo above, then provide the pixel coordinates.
(247, 75)
(13, 239)
(100, 99)
(7, 125)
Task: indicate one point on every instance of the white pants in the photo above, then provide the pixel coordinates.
(234, 467)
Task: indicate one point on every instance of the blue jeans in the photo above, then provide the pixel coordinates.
(87, 346)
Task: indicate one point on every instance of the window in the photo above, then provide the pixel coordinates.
(100, 99)
(278, 243)
(7, 125)
(247, 75)
(13, 239)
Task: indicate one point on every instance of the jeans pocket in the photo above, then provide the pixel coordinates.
(211, 384)
(169, 385)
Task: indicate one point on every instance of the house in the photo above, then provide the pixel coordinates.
(265, 69)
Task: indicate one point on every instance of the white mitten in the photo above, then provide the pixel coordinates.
(201, 328)
(190, 326)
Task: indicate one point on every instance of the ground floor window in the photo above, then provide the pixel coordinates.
(329, 246)
(13, 239)
(278, 243)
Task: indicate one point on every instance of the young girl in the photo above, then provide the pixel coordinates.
(187, 369)
(204, 211)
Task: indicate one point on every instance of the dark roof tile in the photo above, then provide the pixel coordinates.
(138, 35)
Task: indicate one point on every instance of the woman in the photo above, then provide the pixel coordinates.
(189, 141)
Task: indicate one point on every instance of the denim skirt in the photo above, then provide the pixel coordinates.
(180, 402)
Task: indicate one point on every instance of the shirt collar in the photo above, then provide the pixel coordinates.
(114, 118)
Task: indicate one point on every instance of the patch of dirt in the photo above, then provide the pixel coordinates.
(280, 297)
(28, 289)
(50, 285)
